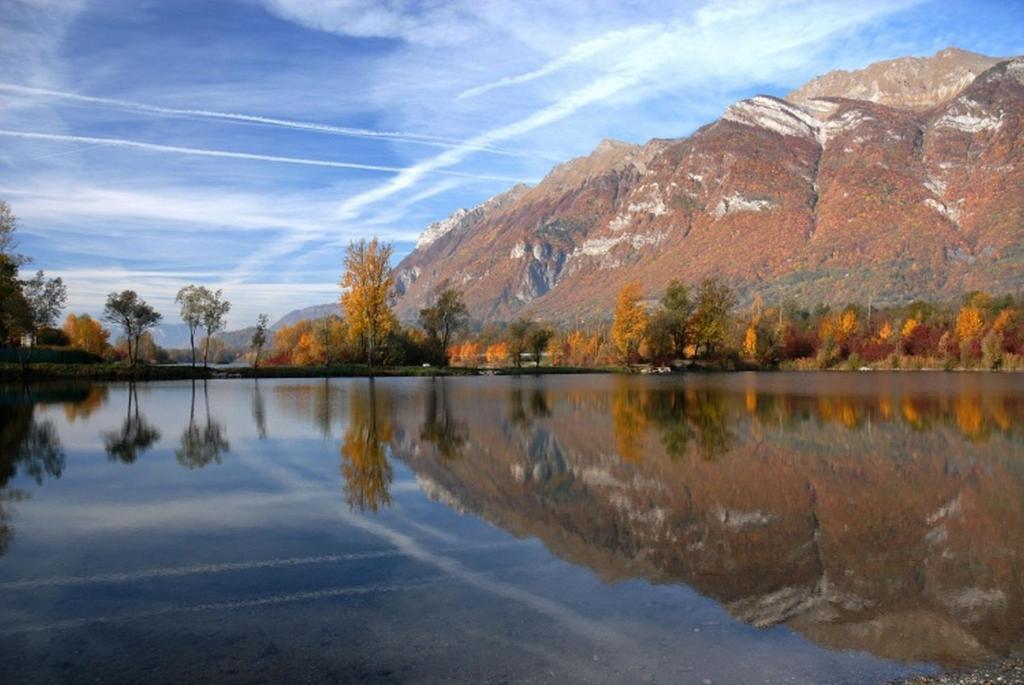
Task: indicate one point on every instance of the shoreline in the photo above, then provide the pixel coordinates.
(158, 372)
(1008, 670)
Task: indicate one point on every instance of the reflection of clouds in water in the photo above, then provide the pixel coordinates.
(411, 548)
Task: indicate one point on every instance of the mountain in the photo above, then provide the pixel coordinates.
(842, 192)
(905, 83)
(317, 311)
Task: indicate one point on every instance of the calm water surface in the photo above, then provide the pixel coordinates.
(743, 528)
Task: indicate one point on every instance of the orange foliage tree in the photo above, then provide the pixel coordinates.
(366, 294)
(630, 322)
(86, 334)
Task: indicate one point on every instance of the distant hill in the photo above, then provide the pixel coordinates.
(318, 311)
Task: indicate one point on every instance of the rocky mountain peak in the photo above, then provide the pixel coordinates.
(915, 83)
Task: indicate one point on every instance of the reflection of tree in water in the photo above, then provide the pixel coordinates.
(523, 416)
(28, 446)
(440, 428)
(710, 418)
(259, 410)
(364, 463)
(667, 412)
(135, 436)
(630, 421)
(201, 445)
(84, 408)
(684, 418)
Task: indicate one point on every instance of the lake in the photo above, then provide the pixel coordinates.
(726, 528)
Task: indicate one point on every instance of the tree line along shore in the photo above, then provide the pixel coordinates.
(694, 326)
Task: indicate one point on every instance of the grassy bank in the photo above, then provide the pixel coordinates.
(99, 372)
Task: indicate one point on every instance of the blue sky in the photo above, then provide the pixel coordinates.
(243, 144)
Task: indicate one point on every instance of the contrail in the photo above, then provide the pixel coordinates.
(416, 138)
(578, 53)
(202, 152)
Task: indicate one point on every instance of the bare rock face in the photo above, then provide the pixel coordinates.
(832, 195)
(906, 83)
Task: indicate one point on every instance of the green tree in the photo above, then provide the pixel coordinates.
(127, 310)
(259, 339)
(442, 320)
(518, 336)
(215, 311)
(192, 299)
(537, 342)
(8, 225)
(677, 308)
(15, 314)
(712, 314)
(46, 298)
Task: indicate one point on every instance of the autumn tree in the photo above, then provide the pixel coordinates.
(87, 334)
(127, 310)
(442, 320)
(629, 322)
(259, 339)
(366, 285)
(969, 322)
(712, 314)
(496, 353)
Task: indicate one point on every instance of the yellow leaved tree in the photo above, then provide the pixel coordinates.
(969, 322)
(366, 291)
(630, 322)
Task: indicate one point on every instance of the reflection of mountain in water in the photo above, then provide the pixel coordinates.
(889, 522)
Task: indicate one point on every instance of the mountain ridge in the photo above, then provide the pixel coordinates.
(821, 199)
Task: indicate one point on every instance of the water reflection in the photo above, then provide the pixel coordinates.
(889, 520)
(873, 512)
(440, 428)
(135, 435)
(200, 446)
(259, 410)
(27, 446)
(364, 464)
